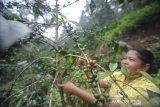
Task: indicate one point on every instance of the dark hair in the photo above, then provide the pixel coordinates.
(147, 57)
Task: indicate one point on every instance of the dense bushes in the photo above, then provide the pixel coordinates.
(120, 27)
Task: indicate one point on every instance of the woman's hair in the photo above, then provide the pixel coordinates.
(146, 57)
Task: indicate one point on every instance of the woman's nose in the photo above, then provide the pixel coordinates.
(124, 62)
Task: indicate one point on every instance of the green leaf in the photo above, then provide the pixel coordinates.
(16, 17)
(125, 71)
(152, 94)
(75, 23)
(59, 13)
(102, 75)
(70, 59)
(142, 1)
(37, 12)
(63, 52)
(34, 102)
(62, 20)
(129, 0)
(145, 74)
(113, 66)
(63, 16)
(55, 18)
(120, 1)
(95, 101)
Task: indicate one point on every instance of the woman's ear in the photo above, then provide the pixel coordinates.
(146, 67)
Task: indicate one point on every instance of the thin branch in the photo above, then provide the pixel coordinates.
(99, 90)
(50, 99)
(26, 69)
(68, 5)
(137, 91)
(114, 80)
(39, 59)
(32, 63)
(82, 52)
(44, 24)
(64, 38)
(124, 94)
(21, 90)
(48, 39)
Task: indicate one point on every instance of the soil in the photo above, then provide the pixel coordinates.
(144, 35)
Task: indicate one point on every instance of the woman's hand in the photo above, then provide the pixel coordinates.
(114, 103)
(68, 88)
(102, 84)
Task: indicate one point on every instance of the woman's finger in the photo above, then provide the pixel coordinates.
(61, 85)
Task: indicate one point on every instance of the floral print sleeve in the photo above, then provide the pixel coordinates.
(139, 92)
(108, 80)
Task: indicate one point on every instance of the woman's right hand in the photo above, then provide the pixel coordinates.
(102, 84)
(68, 88)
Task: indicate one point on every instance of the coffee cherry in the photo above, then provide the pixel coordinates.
(96, 96)
(94, 84)
(95, 65)
(94, 62)
(100, 104)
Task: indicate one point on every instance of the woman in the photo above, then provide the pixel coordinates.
(136, 87)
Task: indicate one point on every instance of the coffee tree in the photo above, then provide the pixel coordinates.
(43, 63)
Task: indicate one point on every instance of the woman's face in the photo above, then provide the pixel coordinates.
(132, 61)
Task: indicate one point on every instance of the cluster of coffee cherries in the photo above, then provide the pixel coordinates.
(90, 70)
(91, 73)
(93, 63)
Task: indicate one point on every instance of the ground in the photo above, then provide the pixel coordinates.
(144, 35)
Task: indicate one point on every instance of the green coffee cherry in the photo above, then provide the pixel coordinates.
(100, 104)
(94, 84)
(96, 96)
(95, 101)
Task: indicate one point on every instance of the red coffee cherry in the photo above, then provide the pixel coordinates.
(95, 65)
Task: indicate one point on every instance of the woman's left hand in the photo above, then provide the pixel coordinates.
(68, 88)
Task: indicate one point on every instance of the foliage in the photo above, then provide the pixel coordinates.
(156, 78)
(121, 26)
(40, 64)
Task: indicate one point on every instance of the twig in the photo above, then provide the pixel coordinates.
(137, 91)
(50, 100)
(114, 80)
(69, 4)
(99, 90)
(82, 52)
(21, 90)
(26, 69)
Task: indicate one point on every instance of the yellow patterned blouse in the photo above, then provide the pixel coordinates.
(139, 91)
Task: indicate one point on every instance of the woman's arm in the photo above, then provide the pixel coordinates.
(71, 89)
(102, 84)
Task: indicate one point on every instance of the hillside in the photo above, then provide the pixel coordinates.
(146, 34)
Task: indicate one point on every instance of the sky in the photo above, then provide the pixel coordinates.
(72, 12)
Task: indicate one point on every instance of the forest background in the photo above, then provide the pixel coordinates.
(31, 68)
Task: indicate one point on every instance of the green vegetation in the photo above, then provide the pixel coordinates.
(127, 22)
(29, 74)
